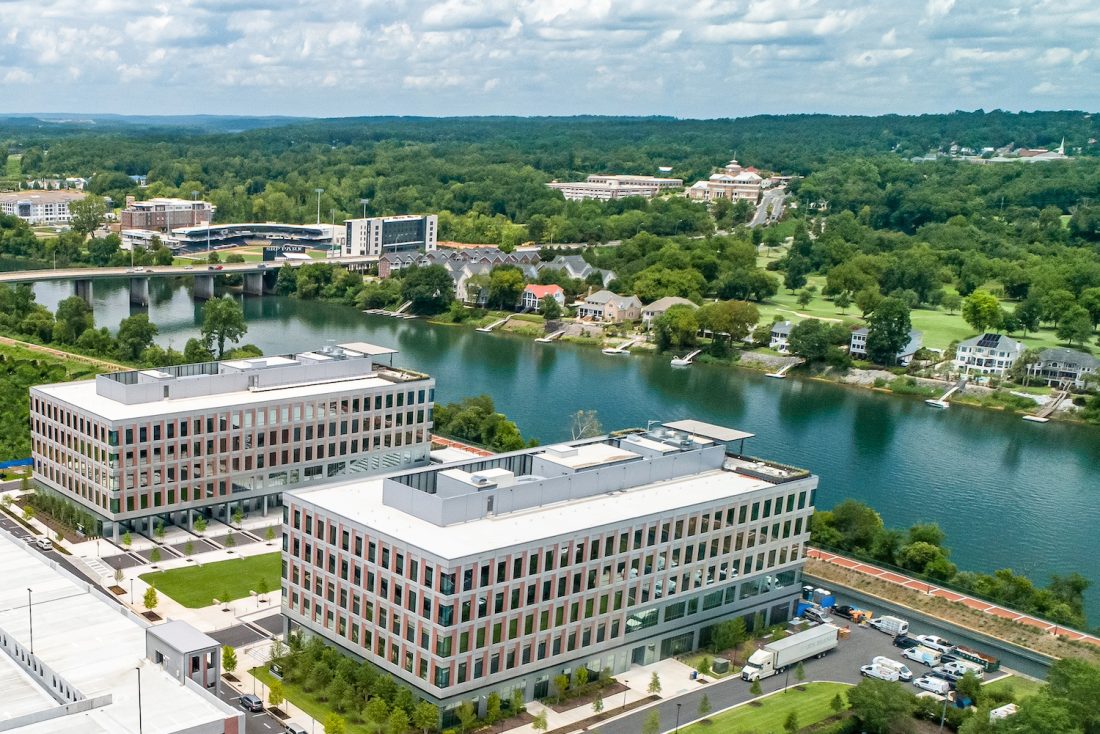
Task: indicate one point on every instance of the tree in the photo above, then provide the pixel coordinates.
(982, 310)
(150, 599)
(969, 687)
(229, 659)
(597, 705)
(466, 715)
(676, 327)
(86, 215)
(199, 525)
(28, 513)
(805, 295)
(425, 716)
(837, 704)
(561, 685)
(1077, 682)
(430, 289)
(102, 250)
(867, 300)
(703, 666)
(135, 335)
(398, 722)
(73, 317)
(756, 689)
(230, 541)
(843, 301)
(790, 724)
(550, 308)
(127, 539)
(654, 686)
(704, 706)
(951, 302)
(377, 711)
(888, 331)
(119, 576)
(810, 339)
(194, 351)
(585, 424)
(269, 534)
(222, 321)
(505, 286)
(728, 634)
(539, 722)
(1075, 326)
(492, 708)
(275, 694)
(262, 588)
(797, 267)
(238, 516)
(800, 672)
(154, 555)
(335, 724)
(652, 723)
(880, 705)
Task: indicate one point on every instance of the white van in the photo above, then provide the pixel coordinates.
(936, 685)
(892, 626)
(903, 672)
(879, 671)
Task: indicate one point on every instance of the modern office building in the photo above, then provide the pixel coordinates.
(165, 214)
(39, 207)
(496, 574)
(74, 662)
(211, 438)
(378, 236)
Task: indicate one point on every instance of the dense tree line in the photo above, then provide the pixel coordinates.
(475, 419)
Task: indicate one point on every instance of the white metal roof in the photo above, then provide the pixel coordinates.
(708, 430)
(372, 350)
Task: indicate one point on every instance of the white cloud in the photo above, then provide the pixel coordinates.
(1044, 88)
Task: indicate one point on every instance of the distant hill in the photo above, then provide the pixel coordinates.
(104, 122)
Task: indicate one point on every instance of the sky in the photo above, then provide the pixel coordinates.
(684, 58)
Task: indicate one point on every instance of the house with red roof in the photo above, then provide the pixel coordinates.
(533, 295)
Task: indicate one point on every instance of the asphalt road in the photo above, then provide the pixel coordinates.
(842, 666)
(254, 723)
(775, 198)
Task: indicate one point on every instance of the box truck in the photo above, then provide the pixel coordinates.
(775, 657)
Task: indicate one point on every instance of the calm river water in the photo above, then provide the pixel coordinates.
(1007, 492)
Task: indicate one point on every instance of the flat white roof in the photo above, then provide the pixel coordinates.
(708, 430)
(361, 501)
(83, 395)
(20, 694)
(372, 350)
(581, 457)
(96, 647)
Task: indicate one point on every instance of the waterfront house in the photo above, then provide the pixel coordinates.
(658, 307)
(987, 354)
(610, 307)
(781, 332)
(1059, 366)
(531, 300)
(857, 346)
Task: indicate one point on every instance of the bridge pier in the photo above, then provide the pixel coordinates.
(83, 288)
(139, 291)
(254, 284)
(204, 287)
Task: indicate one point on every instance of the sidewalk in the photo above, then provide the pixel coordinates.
(932, 590)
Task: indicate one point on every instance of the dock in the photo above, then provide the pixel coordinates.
(495, 324)
(551, 337)
(686, 360)
(941, 401)
(399, 313)
(623, 348)
(1043, 416)
(780, 373)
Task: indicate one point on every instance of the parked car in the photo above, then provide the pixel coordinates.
(940, 675)
(219, 267)
(904, 641)
(189, 267)
(922, 655)
(843, 610)
(210, 267)
(261, 266)
(44, 544)
(935, 685)
(879, 671)
(936, 643)
(961, 669)
(293, 727)
(251, 703)
(817, 615)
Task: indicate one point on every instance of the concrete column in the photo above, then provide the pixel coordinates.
(116, 533)
(254, 284)
(190, 520)
(265, 505)
(270, 277)
(204, 287)
(139, 291)
(83, 288)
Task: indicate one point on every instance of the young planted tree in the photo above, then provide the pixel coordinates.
(154, 555)
(800, 673)
(188, 548)
(28, 513)
(275, 694)
(199, 525)
(229, 659)
(425, 716)
(704, 706)
(269, 534)
(837, 704)
(597, 705)
(755, 689)
(703, 666)
(654, 686)
(790, 725)
(119, 576)
(230, 541)
(517, 700)
(238, 517)
(652, 723)
(398, 722)
(150, 599)
(335, 724)
(492, 708)
(561, 685)
(539, 724)
(262, 588)
(466, 715)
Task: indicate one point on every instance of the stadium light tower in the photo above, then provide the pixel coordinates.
(319, 192)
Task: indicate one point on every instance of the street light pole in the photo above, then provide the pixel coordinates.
(677, 717)
(627, 684)
(139, 700)
(30, 617)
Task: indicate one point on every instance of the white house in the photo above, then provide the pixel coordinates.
(1059, 366)
(857, 346)
(533, 294)
(781, 332)
(658, 307)
(611, 307)
(987, 354)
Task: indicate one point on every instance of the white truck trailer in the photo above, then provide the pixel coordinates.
(775, 657)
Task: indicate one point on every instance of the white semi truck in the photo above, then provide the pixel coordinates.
(775, 657)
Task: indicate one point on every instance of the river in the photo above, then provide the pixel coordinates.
(1008, 493)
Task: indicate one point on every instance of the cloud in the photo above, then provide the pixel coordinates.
(696, 58)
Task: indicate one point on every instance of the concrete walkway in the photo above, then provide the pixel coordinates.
(931, 589)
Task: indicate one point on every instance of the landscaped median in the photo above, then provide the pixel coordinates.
(197, 586)
(811, 703)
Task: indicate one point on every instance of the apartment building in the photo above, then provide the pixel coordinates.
(211, 438)
(496, 574)
(379, 236)
(164, 214)
(39, 207)
(987, 354)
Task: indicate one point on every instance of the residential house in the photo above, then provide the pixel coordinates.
(575, 266)
(1059, 366)
(531, 300)
(987, 354)
(857, 347)
(781, 332)
(610, 307)
(658, 307)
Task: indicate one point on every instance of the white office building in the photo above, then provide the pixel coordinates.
(40, 207)
(606, 186)
(377, 236)
(496, 574)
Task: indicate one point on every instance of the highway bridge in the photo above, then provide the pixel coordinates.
(259, 278)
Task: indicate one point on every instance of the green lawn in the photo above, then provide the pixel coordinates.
(305, 701)
(1021, 687)
(810, 705)
(195, 586)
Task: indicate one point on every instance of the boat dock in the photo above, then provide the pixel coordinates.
(780, 373)
(551, 337)
(941, 401)
(623, 348)
(495, 324)
(1043, 416)
(686, 360)
(399, 313)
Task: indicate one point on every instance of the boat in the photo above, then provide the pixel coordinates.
(937, 403)
(680, 362)
(614, 350)
(1036, 419)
